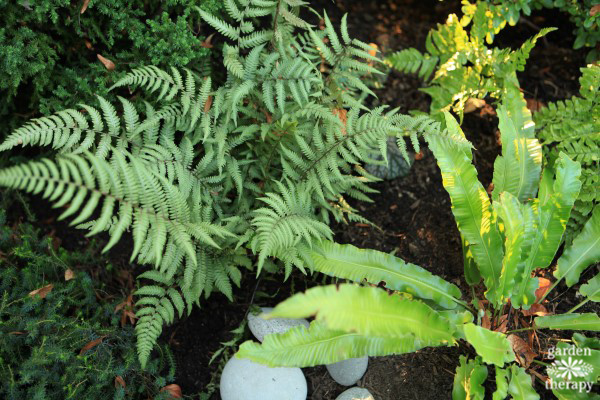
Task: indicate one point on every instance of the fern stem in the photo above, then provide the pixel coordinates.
(529, 328)
(549, 290)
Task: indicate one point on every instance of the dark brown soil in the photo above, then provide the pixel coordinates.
(412, 214)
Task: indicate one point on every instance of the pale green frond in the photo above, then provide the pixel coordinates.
(493, 347)
(349, 262)
(502, 379)
(520, 387)
(572, 322)
(553, 211)
(368, 311)
(518, 169)
(318, 345)
(470, 205)
(584, 251)
(591, 289)
(468, 380)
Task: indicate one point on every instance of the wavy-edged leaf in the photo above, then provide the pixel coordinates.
(584, 251)
(591, 290)
(572, 322)
(553, 210)
(469, 379)
(349, 262)
(509, 212)
(501, 384)
(518, 169)
(470, 205)
(368, 311)
(520, 385)
(493, 347)
(318, 345)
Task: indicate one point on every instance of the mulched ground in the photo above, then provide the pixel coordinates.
(412, 213)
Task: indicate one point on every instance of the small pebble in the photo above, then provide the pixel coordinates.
(349, 371)
(261, 327)
(355, 393)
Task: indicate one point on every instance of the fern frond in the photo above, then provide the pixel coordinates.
(286, 222)
(318, 345)
(412, 61)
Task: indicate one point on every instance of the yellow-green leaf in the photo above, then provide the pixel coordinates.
(367, 311)
(493, 347)
(349, 262)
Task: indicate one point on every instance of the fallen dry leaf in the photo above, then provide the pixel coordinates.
(107, 63)
(543, 378)
(207, 43)
(84, 6)
(173, 390)
(208, 104)
(374, 48)
(119, 382)
(91, 345)
(487, 110)
(486, 322)
(69, 274)
(503, 323)
(341, 113)
(542, 289)
(522, 350)
(473, 104)
(534, 105)
(536, 310)
(595, 10)
(42, 292)
(372, 52)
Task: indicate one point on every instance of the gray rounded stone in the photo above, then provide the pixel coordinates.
(349, 371)
(261, 327)
(243, 379)
(355, 393)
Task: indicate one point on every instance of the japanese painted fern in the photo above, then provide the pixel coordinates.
(208, 178)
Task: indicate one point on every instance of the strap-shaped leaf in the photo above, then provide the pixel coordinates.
(318, 345)
(584, 251)
(572, 322)
(591, 290)
(518, 169)
(553, 210)
(501, 384)
(555, 213)
(368, 311)
(470, 205)
(491, 346)
(349, 262)
(472, 275)
(469, 379)
(520, 385)
(509, 211)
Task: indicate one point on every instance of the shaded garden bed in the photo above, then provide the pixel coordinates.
(411, 215)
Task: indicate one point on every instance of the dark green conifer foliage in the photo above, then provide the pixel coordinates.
(41, 339)
(48, 49)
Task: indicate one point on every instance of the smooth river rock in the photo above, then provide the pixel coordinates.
(243, 379)
(349, 371)
(261, 327)
(355, 393)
